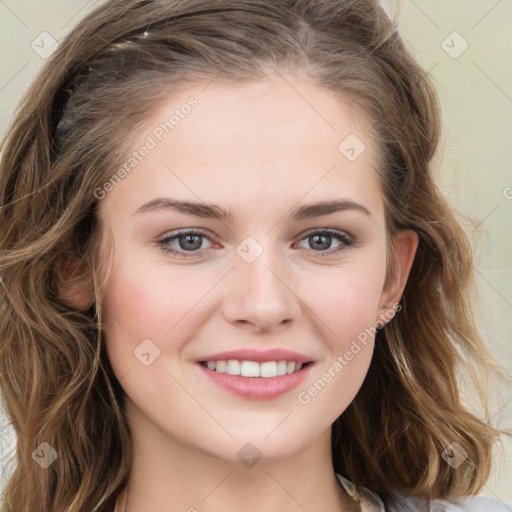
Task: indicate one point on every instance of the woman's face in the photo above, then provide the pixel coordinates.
(276, 279)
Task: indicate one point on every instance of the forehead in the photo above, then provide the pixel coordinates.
(259, 140)
(273, 113)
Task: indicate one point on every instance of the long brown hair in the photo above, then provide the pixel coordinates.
(71, 132)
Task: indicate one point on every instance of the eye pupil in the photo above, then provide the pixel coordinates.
(325, 244)
(190, 242)
(189, 239)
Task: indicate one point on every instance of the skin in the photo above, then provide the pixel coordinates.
(259, 150)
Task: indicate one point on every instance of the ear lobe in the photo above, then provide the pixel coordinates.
(405, 245)
(75, 285)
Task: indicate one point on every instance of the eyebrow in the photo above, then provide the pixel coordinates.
(213, 211)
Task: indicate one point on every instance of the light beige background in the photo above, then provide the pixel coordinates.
(476, 94)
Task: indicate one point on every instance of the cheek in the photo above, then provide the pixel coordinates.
(345, 306)
(347, 299)
(356, 305)
(149, 300)
(150, 295)
(349, 339)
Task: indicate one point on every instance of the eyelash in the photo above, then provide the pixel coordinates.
(339, 235)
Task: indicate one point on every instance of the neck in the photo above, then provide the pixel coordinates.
(167, 474)
(122, 503)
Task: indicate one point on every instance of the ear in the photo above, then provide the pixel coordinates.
(75, 285)
(405, 244)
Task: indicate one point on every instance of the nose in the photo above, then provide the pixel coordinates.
(260, 295)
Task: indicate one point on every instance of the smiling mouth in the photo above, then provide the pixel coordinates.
(268, 369)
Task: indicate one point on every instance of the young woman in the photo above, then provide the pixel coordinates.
(230, 281)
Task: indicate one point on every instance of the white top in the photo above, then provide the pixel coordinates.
(370, 502)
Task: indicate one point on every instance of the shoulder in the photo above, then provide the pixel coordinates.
(470, 504)
(466, 504)
(371, 502)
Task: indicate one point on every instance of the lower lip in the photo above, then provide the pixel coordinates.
(257, 388)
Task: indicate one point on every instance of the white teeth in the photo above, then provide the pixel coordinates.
(233, 367)
(281, 367)
(254, 369)
(221, 367)
(269, 369)
(250, 369)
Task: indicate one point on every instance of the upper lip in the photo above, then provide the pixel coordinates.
(260, 356)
